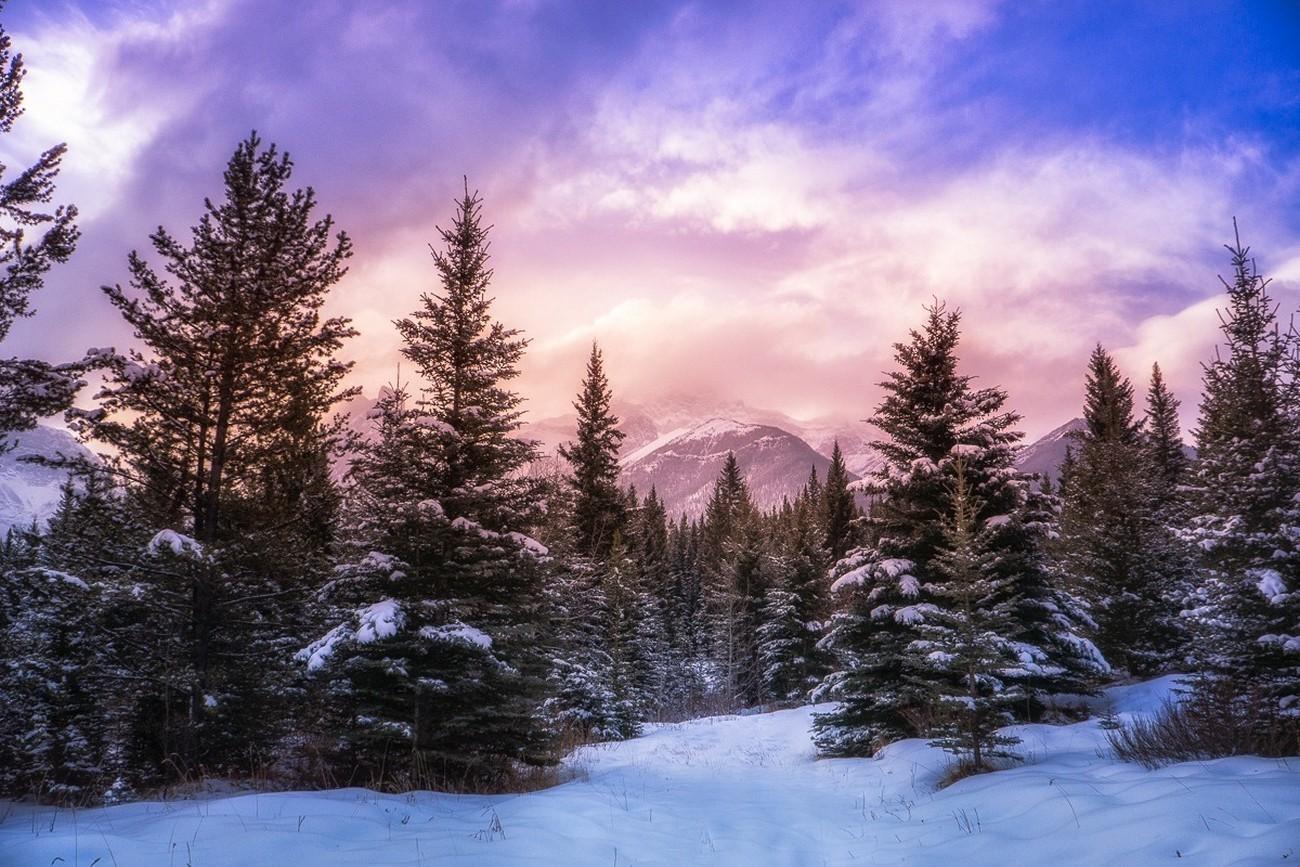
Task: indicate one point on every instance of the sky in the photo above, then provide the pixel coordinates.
(747, 201)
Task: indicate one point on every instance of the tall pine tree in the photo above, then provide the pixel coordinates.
(1242, 500)
(1112, 544)
(234, 356)
(598, 513)
(439, 646)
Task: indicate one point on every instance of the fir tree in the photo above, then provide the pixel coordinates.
(598, 512)
(439, 647)
(1242, 500)
(839, 507)
(29, 389)
(1111, 539)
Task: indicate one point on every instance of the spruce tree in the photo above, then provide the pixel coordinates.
(733, 562)
(795, 606)
(1111, 538)
(1242, 501)
(839, 508)
(965, 642)
(1163, 439)
(932, 416)
(439, 645)
(598, 513)
(234, 359)
(29, 389)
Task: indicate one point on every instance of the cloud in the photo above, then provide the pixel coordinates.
(749, 200)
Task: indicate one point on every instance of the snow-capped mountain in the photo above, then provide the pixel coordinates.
(1045, 454)
(27, 491)
(683, 464)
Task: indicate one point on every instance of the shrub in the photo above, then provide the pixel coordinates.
(1217, 718)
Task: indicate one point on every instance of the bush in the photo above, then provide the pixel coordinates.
(1217, 718)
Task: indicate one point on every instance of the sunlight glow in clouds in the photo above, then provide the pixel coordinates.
(747, 201)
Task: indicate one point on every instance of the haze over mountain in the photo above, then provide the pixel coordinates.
(1046, 454)
(683, 466)
(678, 443)
(29, 492)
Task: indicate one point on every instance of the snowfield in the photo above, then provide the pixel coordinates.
(739, 790)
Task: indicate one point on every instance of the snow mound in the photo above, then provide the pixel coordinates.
(735, 790)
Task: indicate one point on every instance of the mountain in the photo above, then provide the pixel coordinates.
(29, 492)
(683, 464)
(1046, 454)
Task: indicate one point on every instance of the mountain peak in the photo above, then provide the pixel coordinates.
(684, 464)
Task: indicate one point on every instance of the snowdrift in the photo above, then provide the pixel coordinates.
(742, 790)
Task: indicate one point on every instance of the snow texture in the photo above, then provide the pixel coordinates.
(733, 791)
(178, 543)
(457, 632)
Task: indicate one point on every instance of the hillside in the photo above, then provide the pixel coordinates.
(684, 465)
(29, 492)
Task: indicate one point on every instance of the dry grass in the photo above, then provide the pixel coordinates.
(1218, 719)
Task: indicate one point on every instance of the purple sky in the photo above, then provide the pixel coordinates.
(748, 200)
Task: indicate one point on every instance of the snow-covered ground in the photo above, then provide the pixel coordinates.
(731, 790)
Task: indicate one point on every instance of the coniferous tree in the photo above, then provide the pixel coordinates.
(732, 559)
(29, 389)
(795, 606)
(1242, 501)
(439, 649)
(62, 687)
(839, 507)
(931, 416)
(598, 511)
(235, 359)
(965, 641)
(1163, 439)
(1111, 538)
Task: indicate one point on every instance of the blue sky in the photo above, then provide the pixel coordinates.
(748, 200)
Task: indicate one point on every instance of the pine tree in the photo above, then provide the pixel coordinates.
(1163, 440)
(598, 512)
(235, 359)
(839, 507)
(931, 417)
(795, 606)
(439, 650)
(30, 389)
(1244, 486)
(965, 641)
(1111, 539)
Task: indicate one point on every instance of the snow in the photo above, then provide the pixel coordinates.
(178, 543)
(318, 653)
(457, 632)
(63, 577)
(733, 790)
(1270, 583)
(653, 446)
(526, 543)
(381, 620)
